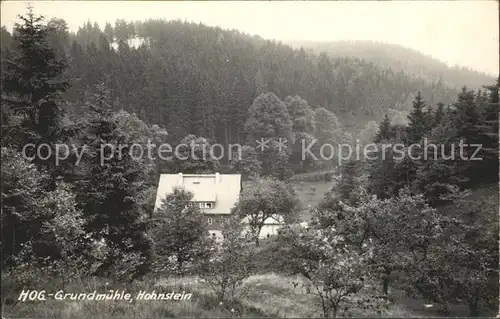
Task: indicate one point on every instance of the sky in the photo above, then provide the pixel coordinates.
(461, 33)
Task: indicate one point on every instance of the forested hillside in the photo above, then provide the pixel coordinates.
(191, 78)
(399, 59)
(415, 217)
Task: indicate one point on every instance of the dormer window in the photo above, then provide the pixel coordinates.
(206, 205)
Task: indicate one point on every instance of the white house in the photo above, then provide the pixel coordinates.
(216, 194)
(271, 226)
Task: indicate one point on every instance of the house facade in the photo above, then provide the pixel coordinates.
(215, 194)
(270, 227)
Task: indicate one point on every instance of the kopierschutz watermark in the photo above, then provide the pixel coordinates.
(372, 151)
(309, 150)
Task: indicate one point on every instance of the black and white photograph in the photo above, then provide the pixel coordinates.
(250, 159)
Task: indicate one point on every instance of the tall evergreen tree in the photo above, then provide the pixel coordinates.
(418, 124)
(384, 131)
(111, 188)
(349, 181)
(180, 234)
(438, 115)
(32, 90)
(489, 136)
(467, 121)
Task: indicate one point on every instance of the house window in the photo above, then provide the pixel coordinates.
(206, 205)
(210, 221)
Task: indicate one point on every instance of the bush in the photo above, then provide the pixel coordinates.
(230, 263)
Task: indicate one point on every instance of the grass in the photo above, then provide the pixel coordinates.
(310, 195)
(268, 295)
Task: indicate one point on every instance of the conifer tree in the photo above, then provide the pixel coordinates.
(489, 136)
(180, 233)
(468, 132)
(349, 181)
(32, 87)
(381, 180)
(384, 131)
(438, 115)
(418, 120)
(110, 190)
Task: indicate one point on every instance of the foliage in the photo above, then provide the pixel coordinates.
(301, 114)
(180, 234)
(368, 133)
(418, 120)
(266, 198)
(42, 232)
(110, 190)
(196, 157)
(401, 229)
(230, 262)
(349, 181)
(335, 272)
(32, 88)
(462, 266)
(33, 220)
(248, 164)
(327, 176)
(269, 120)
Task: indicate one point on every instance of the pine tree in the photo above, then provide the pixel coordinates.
(368, 133)
(180, 233)
(109, 32)
(418, 125)
(438, 115)
(349, 181)
(438, 173)
(111, 188)
(468, 132)
(489, 134)
(385, 130)
(32, 90)
(280, 167)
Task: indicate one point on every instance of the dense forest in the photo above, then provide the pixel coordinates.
(387, 224)
(400, 58)
(191, 78)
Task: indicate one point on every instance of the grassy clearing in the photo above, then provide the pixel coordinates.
(314, 176)
(310, 195)
(268, 295)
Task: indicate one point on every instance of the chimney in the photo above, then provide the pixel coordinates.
(180, 179)
(217, 178)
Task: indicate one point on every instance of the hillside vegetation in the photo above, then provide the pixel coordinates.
(400, 59)
(386, 234)
(197, 79)
(268, 295)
